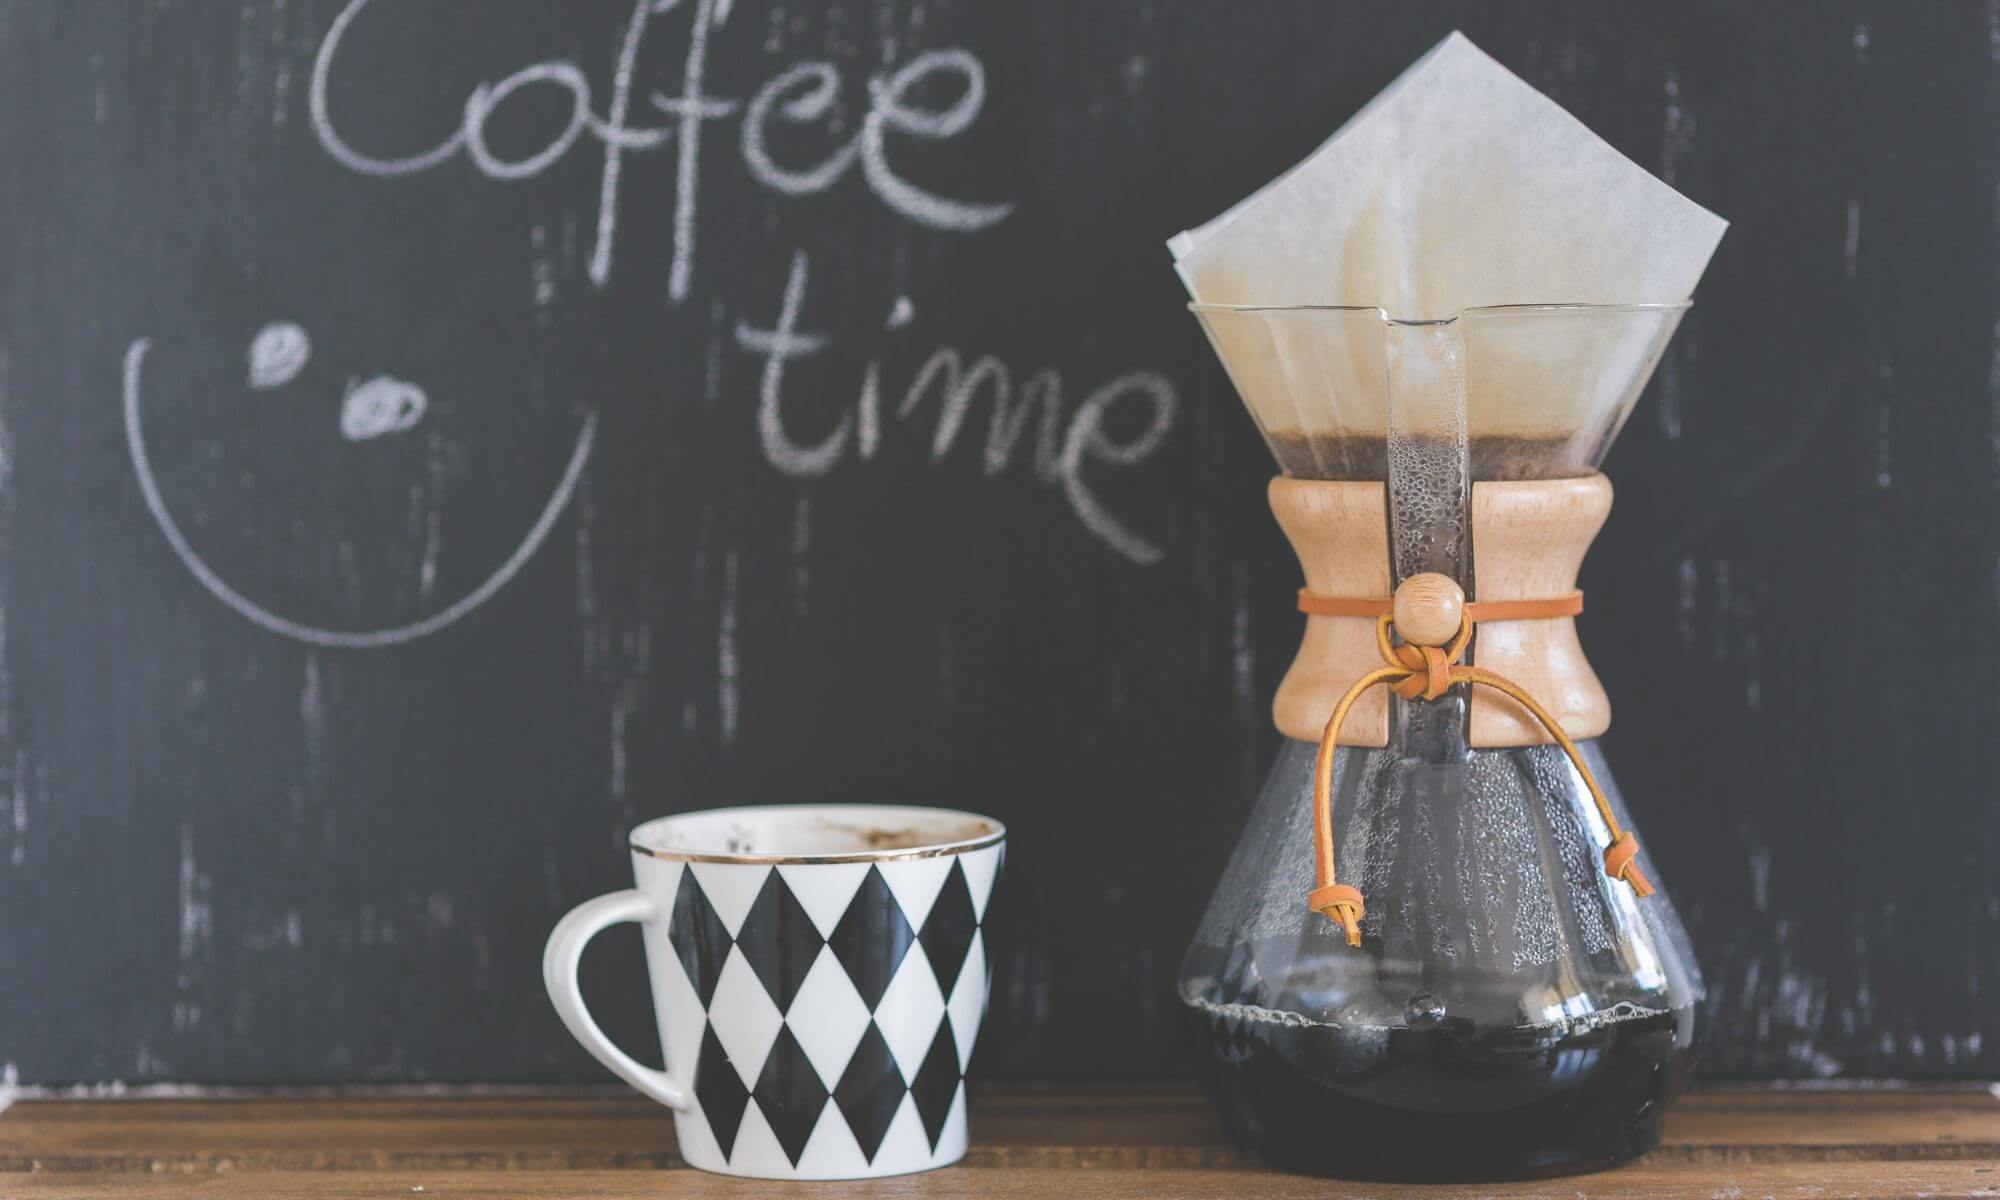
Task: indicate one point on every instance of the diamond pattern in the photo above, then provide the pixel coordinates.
(824, 889)
(779, 941)
(698, 937)
(827, 1016)
(1230, 1041)
(937, 1082)
(910, 1010)
(949, 929)
(1239, 978)
(967, 1003)
(682, 1016)
(858, 984)
(870, 1091)
(789, 1094)
(981, 867)
(905, 1141)
(915, 883)
(721, 1093)
(743, 1017)
(955, 1115)
(831, 1152)
(872, 938)
(731, 888)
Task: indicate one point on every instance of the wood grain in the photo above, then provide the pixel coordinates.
(1098, 1141)
(1528, 542)
(1429, 609)
(1340, 531)
(1641, 1181)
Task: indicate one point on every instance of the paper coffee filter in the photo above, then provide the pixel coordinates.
(1444, 239)
(1323, 383)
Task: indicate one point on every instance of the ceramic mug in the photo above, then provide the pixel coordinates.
(818, 974)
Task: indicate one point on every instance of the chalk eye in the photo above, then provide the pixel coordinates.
(382, 405)
(277, 354)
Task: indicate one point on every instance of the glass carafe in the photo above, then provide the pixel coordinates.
(1511, 1009)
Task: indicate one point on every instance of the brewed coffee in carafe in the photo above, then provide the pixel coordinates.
(1437, 950)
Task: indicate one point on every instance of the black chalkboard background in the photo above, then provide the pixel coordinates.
(229, 854)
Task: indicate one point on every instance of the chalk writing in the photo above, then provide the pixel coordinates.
(802, 94)
(1064, 445)
(889, 114)
(690, 108)
(617, 137)
(1070, 445)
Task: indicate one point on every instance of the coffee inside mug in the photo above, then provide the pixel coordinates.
(815, 833)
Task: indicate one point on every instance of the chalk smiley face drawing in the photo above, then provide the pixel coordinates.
(379, 407)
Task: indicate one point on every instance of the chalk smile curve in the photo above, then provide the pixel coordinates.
(365, 639)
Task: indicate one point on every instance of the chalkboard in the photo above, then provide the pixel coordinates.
(438, 436)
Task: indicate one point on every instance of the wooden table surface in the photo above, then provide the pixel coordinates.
(1027, 1141)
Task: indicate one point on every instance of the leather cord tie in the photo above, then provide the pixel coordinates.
(1413, 670)
(1315, 605)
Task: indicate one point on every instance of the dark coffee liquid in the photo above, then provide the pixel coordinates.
(1452, 1102)
(1349, 456)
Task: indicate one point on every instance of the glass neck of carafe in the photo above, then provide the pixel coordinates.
(1429, 483)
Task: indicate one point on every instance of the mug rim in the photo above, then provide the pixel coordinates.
(992, 836)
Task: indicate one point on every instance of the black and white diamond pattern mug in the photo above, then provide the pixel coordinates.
(818, 973)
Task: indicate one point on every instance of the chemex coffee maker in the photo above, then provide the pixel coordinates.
(1438, 950)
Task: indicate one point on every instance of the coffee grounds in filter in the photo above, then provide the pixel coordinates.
(1348, 456)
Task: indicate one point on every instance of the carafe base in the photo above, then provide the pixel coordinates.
(1450, 1103)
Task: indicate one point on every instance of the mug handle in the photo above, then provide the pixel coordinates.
(559, 962)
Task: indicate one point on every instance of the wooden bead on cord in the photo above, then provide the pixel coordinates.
(1428, 609)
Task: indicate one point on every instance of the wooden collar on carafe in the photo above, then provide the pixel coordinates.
(1528, 541)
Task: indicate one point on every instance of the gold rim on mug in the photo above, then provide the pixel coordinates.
(996, 835)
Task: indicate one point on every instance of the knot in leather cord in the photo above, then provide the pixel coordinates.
(1620, 862)
(1341, 904)
(1431, 672)
(1428, 672)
